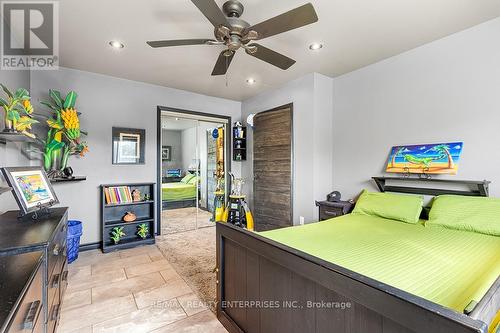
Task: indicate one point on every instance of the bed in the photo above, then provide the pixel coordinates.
(409, 278)
(178, 195)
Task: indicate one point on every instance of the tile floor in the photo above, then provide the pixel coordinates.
(135, 291)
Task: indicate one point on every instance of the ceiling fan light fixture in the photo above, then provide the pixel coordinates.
(116, 44)
(315, 46)
(251, 81)
(235, 33)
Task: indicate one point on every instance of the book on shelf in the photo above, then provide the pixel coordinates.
(117, 194)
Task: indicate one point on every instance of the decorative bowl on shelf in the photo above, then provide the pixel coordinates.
(129, 217)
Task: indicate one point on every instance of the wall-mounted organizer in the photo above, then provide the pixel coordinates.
(239, 143)
(119, 199)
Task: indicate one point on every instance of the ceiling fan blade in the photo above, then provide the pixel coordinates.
(212, 12)
(222, 63)
(290, 20)
(270, 56)
(179, 42)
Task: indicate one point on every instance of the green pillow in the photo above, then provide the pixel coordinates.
(187, 178)
(194, 180)
(405, 208)
(475, 214)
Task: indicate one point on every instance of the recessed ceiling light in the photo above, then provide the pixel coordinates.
(251, 81)
(116, 44)
(315, 46)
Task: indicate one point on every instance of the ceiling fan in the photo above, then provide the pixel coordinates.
(235, 33)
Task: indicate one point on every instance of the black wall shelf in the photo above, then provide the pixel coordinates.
(112, 216)
(66, 180)
(14, 137)
(473, 188)
(239, 144)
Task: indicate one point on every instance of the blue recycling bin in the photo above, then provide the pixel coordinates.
(73, 239)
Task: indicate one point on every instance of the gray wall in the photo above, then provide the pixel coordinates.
(106, 102)
(173, 139)
(189, 138)
(444, 91)
(312, 117)
(10, 153)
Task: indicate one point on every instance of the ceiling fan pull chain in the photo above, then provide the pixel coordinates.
(227, 66)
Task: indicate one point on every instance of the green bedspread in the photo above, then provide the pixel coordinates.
(178, 191)
(445, 266)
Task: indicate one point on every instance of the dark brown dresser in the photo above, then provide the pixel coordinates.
(33, 270)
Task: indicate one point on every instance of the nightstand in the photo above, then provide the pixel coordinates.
(171, 179)
(329, 209)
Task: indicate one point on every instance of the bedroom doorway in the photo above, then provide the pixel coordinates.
(193, 168)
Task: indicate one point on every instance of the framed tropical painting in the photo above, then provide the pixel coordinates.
(31, 187)
(436, 158)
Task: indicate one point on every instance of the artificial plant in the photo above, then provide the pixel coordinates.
(142, 230)
(117, 234)
(18, 111)
(64, 134)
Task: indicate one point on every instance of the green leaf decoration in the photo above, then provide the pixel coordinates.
(70, 100)
(54, 145)
(54, 124)
(3, 102)
(20, 108)
(13, 115)
(56, 97)
(55, 108)
(7, 91)
(22, 94)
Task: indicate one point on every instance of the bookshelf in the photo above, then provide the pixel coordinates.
(239, 143)
(114, 208)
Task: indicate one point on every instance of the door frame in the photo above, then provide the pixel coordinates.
(227, 162)
(292, 160)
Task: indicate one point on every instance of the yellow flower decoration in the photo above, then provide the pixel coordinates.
(24, 124)
(27, 106)
(71, 123)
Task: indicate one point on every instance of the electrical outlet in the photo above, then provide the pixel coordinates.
(301, 220)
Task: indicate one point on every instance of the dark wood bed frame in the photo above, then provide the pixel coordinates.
(264, 286)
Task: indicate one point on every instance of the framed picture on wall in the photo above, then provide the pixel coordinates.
(166, 153)
(31, 187)
(129, 145)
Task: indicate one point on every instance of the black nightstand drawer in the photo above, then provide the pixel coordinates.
(326, 213)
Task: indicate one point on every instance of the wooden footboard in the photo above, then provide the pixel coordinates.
(264, 286)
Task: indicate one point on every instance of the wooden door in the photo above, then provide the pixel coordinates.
(272, 169)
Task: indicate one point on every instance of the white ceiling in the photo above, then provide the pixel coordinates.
(355, 33)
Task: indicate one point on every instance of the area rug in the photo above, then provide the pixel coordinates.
(184, 219)
(192, 254)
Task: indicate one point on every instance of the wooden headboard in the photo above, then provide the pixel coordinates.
(432, 186)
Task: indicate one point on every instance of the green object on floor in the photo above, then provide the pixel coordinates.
(178, 191)
(448, 267)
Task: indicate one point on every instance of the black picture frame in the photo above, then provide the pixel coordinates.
(129, 146)
(166, 153)
(12, 174)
